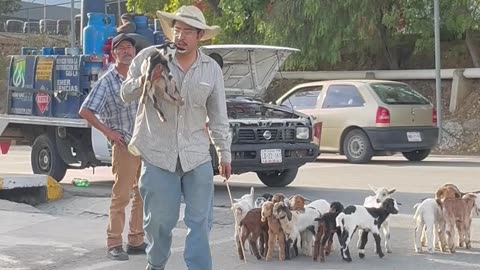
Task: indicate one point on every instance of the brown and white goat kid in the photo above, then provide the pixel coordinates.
(275, 232)
(240, 208)
(458, 212)
(375, 201)
(369, 219)
(256, 231)
(327, 227)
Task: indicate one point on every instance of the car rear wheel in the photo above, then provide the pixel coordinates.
(357, 147)
(278, 178)
(417, 155)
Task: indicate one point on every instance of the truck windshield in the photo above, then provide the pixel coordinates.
(393, 93)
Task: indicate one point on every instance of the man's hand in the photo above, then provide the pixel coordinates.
(225, 170)
(117, 138)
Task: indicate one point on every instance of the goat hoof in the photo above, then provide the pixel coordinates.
(322, 259)
(361, 255)
(389, 251)
(381, 255)
(347, 259)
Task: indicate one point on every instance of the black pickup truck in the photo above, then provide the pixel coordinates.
(271, 140)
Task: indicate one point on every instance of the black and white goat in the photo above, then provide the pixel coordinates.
(376, 201)
(369, 219)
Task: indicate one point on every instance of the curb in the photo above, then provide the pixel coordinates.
(30, 189)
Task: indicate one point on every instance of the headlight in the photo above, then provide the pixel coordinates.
(303, 133)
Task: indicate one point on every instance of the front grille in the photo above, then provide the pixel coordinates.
(257, 135)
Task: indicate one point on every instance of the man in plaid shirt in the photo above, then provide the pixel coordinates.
(117, 120)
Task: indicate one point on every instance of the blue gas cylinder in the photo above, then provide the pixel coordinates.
(158, 35)
(111, 28)
(141, 22)
(94, 33)
(47, 51)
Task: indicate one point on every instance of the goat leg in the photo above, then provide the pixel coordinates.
(158, 109)
(363, 242)
(318, 239)
(345, 242)
(378, 243)
(253, 246)
(329, 245)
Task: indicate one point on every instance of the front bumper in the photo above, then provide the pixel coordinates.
(247, 157)
(395, 138)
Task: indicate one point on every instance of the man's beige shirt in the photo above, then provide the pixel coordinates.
(183, 136)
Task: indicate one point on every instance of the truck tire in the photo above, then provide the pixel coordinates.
(278, 178)
(357, 147)
(46, 160)
(417, 155)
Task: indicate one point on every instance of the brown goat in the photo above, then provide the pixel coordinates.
(458, 212)
(327, 227)
(278, 197)
(253, 228)
(275, 232)
(297, 203)
(450, 191)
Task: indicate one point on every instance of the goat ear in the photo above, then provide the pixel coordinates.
(251, 191)
(289, 215)
(374, 189)
(391, 191)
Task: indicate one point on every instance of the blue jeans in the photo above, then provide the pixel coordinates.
(161, 192)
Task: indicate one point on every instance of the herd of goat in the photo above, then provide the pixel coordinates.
(276, 223)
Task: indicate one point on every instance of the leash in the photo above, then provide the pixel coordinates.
(235, 218)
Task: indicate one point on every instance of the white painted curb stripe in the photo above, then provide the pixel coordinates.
(23, 181)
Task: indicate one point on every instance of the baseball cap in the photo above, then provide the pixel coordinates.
(121, 37)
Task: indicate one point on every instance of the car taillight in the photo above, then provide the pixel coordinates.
(4, 147)
(383, 116)
(434, 117)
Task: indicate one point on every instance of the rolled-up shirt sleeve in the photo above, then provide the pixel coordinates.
(132, 87)
(218, 120)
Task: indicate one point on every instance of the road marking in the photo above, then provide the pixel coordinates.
(456, 263)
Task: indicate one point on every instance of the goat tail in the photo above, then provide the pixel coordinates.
(418, 210)
(339, 220)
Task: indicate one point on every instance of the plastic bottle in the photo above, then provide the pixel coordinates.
(80, 182)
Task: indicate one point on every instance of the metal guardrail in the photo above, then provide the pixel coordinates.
(411, 74)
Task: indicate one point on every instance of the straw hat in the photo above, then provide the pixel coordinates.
(190, 15)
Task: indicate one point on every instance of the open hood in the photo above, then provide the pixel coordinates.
(248, 70)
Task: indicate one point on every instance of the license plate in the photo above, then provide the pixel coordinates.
(271, 155)
(414, 137)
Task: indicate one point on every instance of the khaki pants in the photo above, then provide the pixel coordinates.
(126, 170)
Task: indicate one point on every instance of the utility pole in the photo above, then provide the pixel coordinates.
(45, 17)
(72, 24)
(438, 79)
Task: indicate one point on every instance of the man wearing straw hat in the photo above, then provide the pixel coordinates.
(175, 153)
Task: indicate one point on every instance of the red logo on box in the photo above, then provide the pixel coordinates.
(42, 99)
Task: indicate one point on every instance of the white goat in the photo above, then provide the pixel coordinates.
(428, 221)
(375, 201)
(365, 218)
(321, 205)
(241, 207)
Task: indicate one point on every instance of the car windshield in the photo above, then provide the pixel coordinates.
(392, 93)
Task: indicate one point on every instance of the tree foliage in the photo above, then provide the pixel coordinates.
(9, 6)
(328, 31)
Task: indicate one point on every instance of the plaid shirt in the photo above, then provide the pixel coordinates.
(105, 101)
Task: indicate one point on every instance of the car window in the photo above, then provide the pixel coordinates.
(304, 98)
(341, 96)
(394, 93)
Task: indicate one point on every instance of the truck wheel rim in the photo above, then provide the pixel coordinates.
(356, 147)
(44, 159)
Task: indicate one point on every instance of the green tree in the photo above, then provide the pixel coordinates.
(9, 6)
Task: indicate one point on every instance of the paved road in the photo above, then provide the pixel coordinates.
(70, 234)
